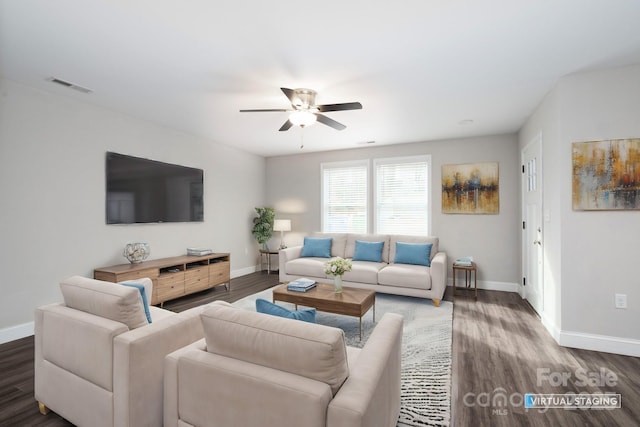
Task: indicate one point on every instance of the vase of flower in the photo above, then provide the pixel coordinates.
(337, 284)
(336, 268)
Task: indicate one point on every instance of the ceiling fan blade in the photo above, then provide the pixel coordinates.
(286, 126)
(289, 93)
(279, 110)
(330, 122)
(339, 107)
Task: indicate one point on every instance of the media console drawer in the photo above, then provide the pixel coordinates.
(170, 285)
(219, 273)
(173, 277)
(196, 279)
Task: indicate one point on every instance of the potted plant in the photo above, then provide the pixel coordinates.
(263, 226)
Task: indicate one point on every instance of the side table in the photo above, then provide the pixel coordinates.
(468, 271)
(268, 254)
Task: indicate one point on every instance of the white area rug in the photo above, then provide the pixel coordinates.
(426, 351)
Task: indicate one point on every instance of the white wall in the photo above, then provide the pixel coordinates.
(52, 187)
(598, 252)
(493, 240)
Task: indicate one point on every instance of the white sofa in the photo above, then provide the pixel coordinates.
(386, 276)
(253, 369)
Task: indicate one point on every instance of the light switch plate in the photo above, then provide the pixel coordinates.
(621, 301)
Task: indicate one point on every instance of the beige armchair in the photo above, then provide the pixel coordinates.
(98, 362)
(252, 369)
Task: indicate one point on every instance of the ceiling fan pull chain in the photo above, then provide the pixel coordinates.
(301, 137)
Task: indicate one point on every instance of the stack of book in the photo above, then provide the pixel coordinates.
(301, 285)
(199, 251)
(465, 261)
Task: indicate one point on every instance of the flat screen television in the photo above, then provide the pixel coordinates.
(147, 191)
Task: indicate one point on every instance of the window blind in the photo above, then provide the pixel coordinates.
(402, 196)
(344, 197)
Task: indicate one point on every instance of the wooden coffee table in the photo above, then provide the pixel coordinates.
(351, 302)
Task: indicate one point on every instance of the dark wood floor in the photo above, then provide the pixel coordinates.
(498, 346)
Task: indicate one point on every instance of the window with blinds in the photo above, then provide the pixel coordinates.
(345, 197)
(401, 196)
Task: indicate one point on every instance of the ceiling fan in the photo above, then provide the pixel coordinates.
(305, 112)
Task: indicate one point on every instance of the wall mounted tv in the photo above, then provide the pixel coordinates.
(146, 191)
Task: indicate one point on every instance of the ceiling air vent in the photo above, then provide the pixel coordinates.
(69, 85)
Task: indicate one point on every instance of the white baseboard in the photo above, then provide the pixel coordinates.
(593, 342)
(13, 333)
(492, 286)
(249, 270)
(244, 271)
(604, 343)
(551, 327)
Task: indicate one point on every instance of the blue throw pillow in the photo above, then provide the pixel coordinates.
(143, 294)
(267, 307)
(368, 251)
(317, 247)
(413, 253)
(307, 315)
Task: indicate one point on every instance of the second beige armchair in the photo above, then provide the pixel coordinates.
(252, 369)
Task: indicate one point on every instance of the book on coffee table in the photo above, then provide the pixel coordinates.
(301, 285)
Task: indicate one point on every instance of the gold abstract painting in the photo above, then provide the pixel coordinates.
(606, 174)
(471, 188)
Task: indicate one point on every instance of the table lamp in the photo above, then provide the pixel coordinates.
(282, 225)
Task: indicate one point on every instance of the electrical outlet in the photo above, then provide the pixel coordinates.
(621, 301)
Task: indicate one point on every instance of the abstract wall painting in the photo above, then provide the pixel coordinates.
(471, 188)
(606, 174)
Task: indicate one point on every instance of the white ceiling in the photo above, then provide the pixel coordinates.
(419, 67)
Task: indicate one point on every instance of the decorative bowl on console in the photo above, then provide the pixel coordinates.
(136, 252)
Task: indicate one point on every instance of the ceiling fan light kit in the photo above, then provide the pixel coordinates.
(305, 112)
(302, 118)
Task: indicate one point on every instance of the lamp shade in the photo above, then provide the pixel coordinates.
(282, 225)
(302, 118)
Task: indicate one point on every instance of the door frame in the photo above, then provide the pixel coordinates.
(537, 138)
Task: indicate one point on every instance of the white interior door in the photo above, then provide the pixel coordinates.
(532, 251)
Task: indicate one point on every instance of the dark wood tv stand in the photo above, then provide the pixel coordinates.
(174, 277)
